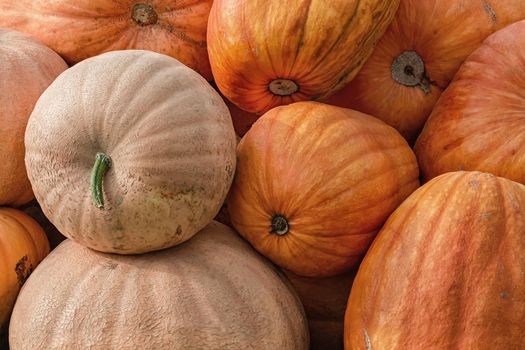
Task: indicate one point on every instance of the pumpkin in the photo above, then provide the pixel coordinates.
(26, 68)
(264, 54)
(314, 184)
(81, 29)
(23, 245)
(419, 55)
(324, 301)
(130, 151)
(478, 124)
(446, 270)
(212, 292)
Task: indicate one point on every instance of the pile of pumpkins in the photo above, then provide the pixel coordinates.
(365, 158)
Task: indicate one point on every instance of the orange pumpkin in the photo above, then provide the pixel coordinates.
(446, 271)
(265, 54)
(83, 28)
(314, 184)
(419, 55)
(26, 70)
(324, 301)
(479, 124)
(23, 245)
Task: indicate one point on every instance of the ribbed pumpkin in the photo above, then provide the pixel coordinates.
(23, 245)
(479, 122)
(266, 53)
(130, 151)
(324, 301)
(419, 55)
(314, 184)
(446, 271)
(78, 29)
(212, 292)
(26, 70)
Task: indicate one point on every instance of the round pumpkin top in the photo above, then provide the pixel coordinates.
(26, 70)
(479, 122)
(130, 151)
(314, 184)
(446, 271)
(23, 244)
(84, 28)
(212, 292)
(264, 54)
(419, 55)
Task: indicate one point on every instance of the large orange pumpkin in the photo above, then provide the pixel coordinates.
(314, 184)
(212, 292)
(266, 53)
(78, 29)
(418, 56)
(23, 245)
(130, 151)
(479, 122)
(26, 70)
(446, 271)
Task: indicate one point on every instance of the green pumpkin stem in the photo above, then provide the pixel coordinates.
(101, 167)
(279, 225)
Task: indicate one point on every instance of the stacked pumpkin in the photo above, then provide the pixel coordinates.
(131, 154)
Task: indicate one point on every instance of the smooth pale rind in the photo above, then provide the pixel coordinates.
(446, 271)
(170, 139)
(212, 292)
(26, 69)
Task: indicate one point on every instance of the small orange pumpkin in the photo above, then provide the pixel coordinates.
(314, 184)
(419, 55)
(23, 244)
(26, 70)
(84, 28)
(266, 53)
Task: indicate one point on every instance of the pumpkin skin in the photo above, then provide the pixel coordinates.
(443, 33)
(212, 292)
(446, 270)
(282, 203)
(171, 143)
(478, 124)
(324, 301)
(23, 245)
(84, 28)
(264, 54)
(27, 68)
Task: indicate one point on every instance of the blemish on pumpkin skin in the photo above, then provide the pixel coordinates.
(22, 270)
(368, 343)
(504, 295)
(490, 11)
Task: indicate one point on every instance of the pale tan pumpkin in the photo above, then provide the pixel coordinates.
(166, 135)
(26, 70)
(212, 292)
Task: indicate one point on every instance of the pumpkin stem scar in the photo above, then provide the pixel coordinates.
(283, 87)
(279, 225)
(408, 69)
(144, 14)
(101, 167)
